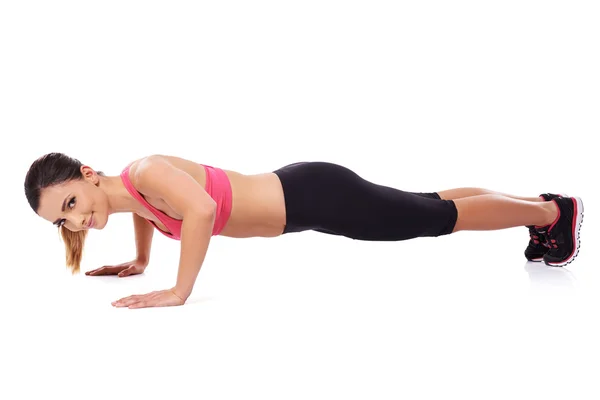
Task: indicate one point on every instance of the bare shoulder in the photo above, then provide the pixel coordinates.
(144, 170)
(166, 177)
(140, 168)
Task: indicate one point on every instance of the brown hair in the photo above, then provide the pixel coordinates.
(52, 169)
(74, 242)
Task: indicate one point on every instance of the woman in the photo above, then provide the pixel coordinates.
(192, 202)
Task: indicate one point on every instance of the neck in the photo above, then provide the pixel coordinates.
(119, 198)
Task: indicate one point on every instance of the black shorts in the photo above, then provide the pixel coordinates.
(332, 199)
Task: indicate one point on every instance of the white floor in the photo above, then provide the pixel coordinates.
(415, 95)
(314, 316)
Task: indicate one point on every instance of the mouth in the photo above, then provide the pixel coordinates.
(90, 223)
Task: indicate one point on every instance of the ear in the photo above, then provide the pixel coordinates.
(89, 174)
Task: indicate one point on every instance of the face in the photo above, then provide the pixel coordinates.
(76, 204)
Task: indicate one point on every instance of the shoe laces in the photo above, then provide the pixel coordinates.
(536, 237)
(551, 240)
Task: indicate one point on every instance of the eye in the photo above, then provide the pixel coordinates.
(70, 205)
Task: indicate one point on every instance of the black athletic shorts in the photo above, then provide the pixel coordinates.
(332, 199)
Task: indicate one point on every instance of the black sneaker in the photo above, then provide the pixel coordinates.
(563, 235)
(537, 246)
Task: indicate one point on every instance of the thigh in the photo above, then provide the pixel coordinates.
(429, 195)
(333, 199)
(368, 211)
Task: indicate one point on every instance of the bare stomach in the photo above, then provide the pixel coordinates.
(258, 206)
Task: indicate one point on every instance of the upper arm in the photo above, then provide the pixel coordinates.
(156, 177)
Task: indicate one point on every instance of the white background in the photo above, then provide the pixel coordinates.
(423, 96)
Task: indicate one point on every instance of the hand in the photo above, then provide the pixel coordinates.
(162, 298)
(124, 269)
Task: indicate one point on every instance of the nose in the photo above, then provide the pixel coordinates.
(78, 221)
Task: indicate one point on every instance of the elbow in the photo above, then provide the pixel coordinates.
(204, 212)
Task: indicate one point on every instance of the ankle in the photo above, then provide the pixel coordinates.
(551, 213)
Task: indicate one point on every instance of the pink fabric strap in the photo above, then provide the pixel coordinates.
(219, 188)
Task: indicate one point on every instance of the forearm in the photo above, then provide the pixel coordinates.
(143, 238)
(196, 231)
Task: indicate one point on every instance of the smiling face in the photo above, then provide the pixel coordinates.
(77, 204)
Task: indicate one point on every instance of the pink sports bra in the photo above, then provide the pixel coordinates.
(217, 186)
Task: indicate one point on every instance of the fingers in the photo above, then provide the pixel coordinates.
(106, 270)
(120, 270)
(141, 304)
(129, 271)
(127, 301)
(161, 298)
(131, 300)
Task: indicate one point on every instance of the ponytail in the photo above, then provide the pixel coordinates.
(74, 242)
